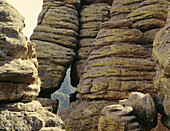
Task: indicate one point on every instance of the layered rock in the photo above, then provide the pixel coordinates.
(19, 81)
(144, 109)
(29, 116)
(117, 66)
(92, 14)
(18, 61)
(55, 38)
(161, 55)
(150, 17)
(118, 118)
(49, 104)
(83, 115)
(122, 8)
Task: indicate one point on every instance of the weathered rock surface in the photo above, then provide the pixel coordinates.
(83, 115)
(150, 17)
(55, 38)
(49, 104)
(91, 16)
(161, 54)
(18, 62)
(29, 116)
(118, 118)
(144, 109)
(117, 66)
(122, 8)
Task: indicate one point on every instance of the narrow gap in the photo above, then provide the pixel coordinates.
(63, 93)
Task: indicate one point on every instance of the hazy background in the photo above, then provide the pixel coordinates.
(30, 10)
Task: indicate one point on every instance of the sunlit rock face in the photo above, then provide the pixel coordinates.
(161, 55)
(18, 60)
(19, 81)
(56, 38)
(30, 116)
(92, 14)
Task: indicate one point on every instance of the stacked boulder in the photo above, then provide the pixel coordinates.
(118, 118)
(18, 61)
(161, 55)
(122, 8)
(137, 113)
(56, 38)
(150, 17)
(19, 81)
(117, 66)
(92, 14)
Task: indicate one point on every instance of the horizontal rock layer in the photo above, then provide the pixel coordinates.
(18, 60)
(55, 38)
(91, 16)
(82, 115)
(117, 66)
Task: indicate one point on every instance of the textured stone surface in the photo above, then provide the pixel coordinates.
(82, 115)
(161, 55)
(28, 116)
(149, 17)
(55, 38)
(117, 66)
(118, 118)
(18, 61)
(144, 109)
(122, 8)
(49, 104)
(91, 16)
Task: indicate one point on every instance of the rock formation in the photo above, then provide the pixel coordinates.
(55, 38)
(110, 53)
(144, 109)
(29, 116)
(150, 17)
(92, 14)
(121, 61)
(18, 62)
(117, 66)
(83, 115)
(161, 55)
(118, 118)
(19, 81)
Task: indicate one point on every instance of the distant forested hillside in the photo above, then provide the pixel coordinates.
(63, 93)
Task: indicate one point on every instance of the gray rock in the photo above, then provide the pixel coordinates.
(118, 118)
(144, 109)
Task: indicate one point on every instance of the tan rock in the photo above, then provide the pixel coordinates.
(82, 115)
(28, 116)
(49, 104)
(91, 16)
(56, 38)
(18, 59)
(118, 118)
